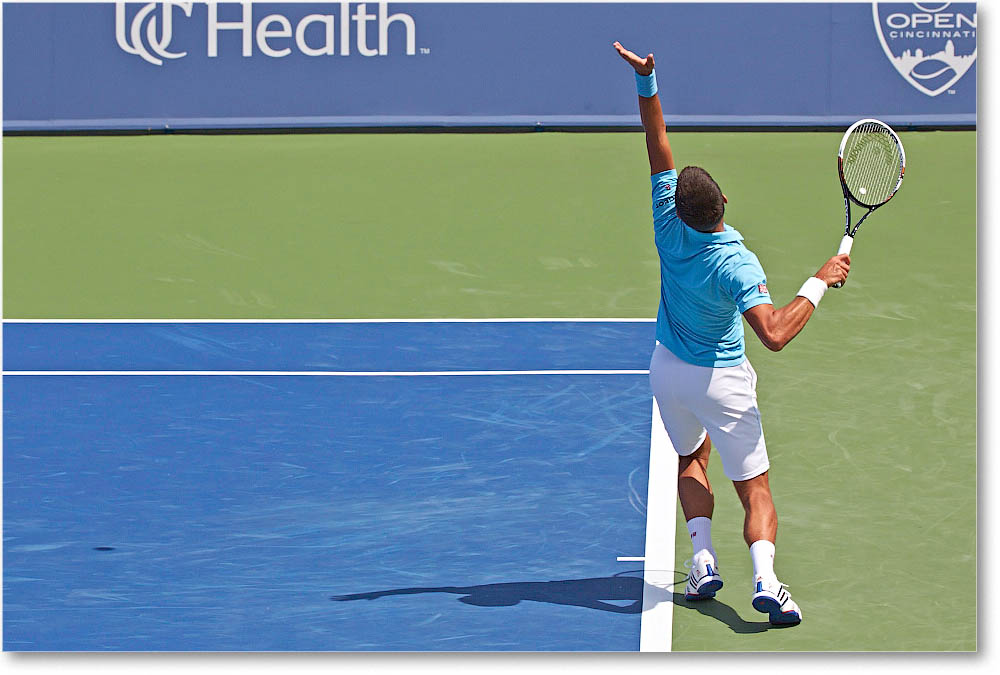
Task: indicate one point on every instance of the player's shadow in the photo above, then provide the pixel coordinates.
(719, 611)
(599, 593)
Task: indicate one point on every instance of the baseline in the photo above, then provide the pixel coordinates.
(656, 627)
(328, 373)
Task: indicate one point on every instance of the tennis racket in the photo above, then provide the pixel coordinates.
(871, 163)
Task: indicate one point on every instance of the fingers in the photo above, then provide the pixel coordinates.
(624, 53)
(835, 270)
(843, 260)
(649, 61)
(641, 65)
(842, 270)
(837, 275)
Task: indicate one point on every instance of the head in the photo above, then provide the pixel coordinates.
(700, 202)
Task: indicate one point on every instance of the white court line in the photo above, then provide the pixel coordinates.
(499, 320)
(330, 373)
(657, 622)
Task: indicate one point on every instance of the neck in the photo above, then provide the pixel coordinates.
(721, 227)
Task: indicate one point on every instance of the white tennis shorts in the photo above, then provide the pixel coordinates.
(722, 402)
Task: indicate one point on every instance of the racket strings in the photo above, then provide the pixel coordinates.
(859, 161)
(876, 164)
(882, 180)
(869, 160)
(872, 164)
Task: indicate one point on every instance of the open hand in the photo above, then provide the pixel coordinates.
(642, 66)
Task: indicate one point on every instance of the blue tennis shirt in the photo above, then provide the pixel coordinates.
(707, 281)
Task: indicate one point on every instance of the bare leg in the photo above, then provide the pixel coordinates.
(761, 520)
(693, 488)
(759, 530)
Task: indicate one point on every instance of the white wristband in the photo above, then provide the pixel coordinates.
(813, 290)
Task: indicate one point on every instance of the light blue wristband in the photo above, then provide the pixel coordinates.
(646, 84)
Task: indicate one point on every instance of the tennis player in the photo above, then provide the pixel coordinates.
(704, 386)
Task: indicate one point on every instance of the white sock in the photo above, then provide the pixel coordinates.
(762, 554)
(700, 529)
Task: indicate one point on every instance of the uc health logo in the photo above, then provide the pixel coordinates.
(931, 44)
(147, 32)
(157, 40)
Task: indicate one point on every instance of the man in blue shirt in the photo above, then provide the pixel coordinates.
(704, 386)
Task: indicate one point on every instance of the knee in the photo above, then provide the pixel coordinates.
(700, 455)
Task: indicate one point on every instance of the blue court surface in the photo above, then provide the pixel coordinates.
(167, 503)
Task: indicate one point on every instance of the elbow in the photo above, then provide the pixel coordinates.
(774, 346)
(774, 342)
(773, 328)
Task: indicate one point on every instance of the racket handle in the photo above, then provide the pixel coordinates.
(845, 247)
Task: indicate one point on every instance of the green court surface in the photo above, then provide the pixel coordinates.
(870, 413)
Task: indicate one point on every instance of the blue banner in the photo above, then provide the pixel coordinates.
(192, 65)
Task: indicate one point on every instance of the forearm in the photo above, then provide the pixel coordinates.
(777, 327)
(660, 157)
(657, 143)
(652, 116)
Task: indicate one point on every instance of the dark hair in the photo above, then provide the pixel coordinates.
(699, 199)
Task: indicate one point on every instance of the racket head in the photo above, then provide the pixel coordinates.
(871, 162)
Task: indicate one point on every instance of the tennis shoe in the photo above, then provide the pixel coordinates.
(703, 578)
(771, 598)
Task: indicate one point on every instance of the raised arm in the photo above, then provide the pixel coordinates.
(777, 327)
(657, 145)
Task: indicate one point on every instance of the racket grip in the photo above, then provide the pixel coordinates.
(845, 247)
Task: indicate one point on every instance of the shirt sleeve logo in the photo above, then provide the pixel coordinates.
(762, 288)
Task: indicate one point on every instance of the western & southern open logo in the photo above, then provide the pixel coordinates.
(931, 44)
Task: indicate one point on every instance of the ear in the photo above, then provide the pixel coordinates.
(724, 200)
